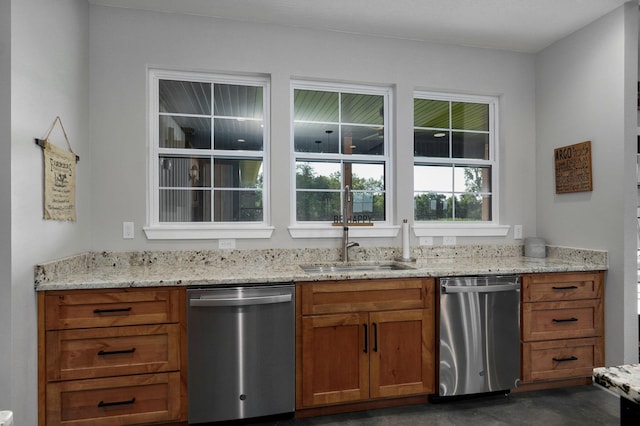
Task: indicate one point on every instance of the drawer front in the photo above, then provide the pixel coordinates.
(86, 309)
(365, 295)
(561, 359)
(115, 401)
(115, 351)
(562, 286)
(561, 320)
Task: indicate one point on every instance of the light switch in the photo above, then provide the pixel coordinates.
(426, 241)
(227, 244)
(127, 230)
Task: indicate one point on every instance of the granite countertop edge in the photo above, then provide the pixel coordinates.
(158, 269)
(623, 380)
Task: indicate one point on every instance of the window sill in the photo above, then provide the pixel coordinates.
(203, 232)
(328, 231)
(460, 230)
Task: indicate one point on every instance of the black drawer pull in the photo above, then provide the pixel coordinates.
(375, 337)
(571, 358)
(123, 351)
(111, 311)
(366, 338)
(565, 320)
(569, 287)
(103, 404)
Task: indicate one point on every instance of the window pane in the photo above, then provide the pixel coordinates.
(184, 132)
(470, 145)
(234, 134)
(363, 109)
(313, 105)
(184, 97)
(237, 101)
(320, 138)
(317, 175)
(468, 116)
(363, 140)
(430, 143)
(473, 207)
(430, 113)
(368, 206)
(238, 173)
(185, 205)
(367, 176)
(184, 172)
(432, 206)
(318, 206)
(433, 179)
(473, 179)
(238, 206)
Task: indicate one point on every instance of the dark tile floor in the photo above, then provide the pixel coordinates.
(579, 406)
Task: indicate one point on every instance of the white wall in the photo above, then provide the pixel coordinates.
(49, 77)
(5, 203)
(585, 90)
(124, 43)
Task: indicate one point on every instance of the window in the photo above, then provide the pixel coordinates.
(340, 137)
(208, 155)
(455, 165)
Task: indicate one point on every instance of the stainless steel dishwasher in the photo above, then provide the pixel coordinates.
(241, 352)
(479, 331)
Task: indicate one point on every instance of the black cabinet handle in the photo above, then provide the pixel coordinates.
(375, 337)
(565, 320)
(111, 311)
(569, 287)
(366, 338)
(103, 404)
(571, 358)
(123, 351)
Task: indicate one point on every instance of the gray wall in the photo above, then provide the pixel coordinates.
(124, 43)
(585, 90)
(5, 203)
(49, 77)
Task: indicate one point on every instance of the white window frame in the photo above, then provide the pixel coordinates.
(324, 229)
(155, 229)
(471, 228)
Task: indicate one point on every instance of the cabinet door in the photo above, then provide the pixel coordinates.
(335, 358)
(402, 353)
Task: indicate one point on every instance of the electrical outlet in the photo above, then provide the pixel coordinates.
(517, 232)
(127, 230)
(449, 241)
(227, 244)
(426, 241)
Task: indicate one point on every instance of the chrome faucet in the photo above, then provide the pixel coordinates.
(345, 225)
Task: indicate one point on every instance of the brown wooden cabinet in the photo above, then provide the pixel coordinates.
(111, 357)
(361, 340)
(562, 325)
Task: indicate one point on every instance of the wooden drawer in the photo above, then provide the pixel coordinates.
(137, 399)
(561, 320)
(560, 359)
(105, 308)
(366, 295)
(562, 286)
(103, 352)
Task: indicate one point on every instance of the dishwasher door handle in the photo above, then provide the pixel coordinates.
(480, 289)
(205, 301)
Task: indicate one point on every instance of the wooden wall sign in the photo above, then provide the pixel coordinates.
(573, 168)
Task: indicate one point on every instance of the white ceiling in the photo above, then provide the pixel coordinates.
(517, 25)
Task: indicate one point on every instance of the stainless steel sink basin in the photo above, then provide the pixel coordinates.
(327, 269)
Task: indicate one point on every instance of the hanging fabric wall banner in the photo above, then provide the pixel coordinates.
(59, 183)
(59, 178)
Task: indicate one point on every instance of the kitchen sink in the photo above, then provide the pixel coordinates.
(327, 269)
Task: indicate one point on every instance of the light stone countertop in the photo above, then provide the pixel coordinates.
(231, 267)
(623, 380)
